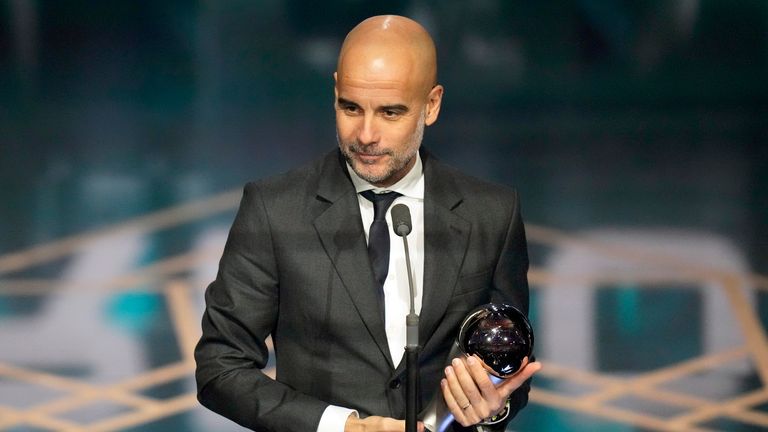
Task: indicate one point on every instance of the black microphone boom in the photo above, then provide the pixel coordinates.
(401, 221)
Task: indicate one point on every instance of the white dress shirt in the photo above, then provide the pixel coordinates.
(396, 290)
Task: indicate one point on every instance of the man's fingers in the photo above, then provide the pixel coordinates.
(468, 397)
(481, 378)
(492, 400)
(467, 382)
(454, 387)
(450, 400)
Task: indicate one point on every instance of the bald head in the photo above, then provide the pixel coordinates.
(386, 93)
(390, 44)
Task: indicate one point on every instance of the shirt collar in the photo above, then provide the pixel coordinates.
(411, 185)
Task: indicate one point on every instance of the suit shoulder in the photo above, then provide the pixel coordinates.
(475, 188)
(294, 181)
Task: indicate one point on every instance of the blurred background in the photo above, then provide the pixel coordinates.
(635, 132)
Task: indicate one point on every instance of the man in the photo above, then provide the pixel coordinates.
(297, 266)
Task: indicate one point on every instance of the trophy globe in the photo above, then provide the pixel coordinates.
(500, 335)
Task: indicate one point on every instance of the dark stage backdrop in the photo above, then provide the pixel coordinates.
(601, 113)
(645, 121)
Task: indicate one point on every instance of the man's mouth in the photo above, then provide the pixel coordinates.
(368, 157)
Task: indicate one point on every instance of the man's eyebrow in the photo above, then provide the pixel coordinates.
(343, 101)
(397, 107)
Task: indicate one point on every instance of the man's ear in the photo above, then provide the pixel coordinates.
(434, 99)
(335, 88)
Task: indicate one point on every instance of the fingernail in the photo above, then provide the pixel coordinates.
(448, 370)
(443, 382)
(471, 360)
(456, 362)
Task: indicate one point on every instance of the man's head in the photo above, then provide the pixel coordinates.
(386, 92)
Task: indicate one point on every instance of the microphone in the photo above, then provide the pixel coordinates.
(401, 219)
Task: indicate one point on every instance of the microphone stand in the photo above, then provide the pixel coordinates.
(401, 218)
(412, 349)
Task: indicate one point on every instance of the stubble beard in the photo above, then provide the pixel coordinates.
(396, 162)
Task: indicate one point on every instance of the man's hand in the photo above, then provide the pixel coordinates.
(471, 395)
(377, 424)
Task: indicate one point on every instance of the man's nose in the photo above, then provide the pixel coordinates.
(368, 132)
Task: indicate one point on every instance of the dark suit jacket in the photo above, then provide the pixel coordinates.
(296, 266)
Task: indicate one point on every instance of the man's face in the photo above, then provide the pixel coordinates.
(380, 119)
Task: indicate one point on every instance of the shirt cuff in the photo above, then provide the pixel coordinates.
(334, 419)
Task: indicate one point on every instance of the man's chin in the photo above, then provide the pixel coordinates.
(369, 175)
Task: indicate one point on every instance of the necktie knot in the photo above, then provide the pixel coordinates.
(378, 235)
(381, 202)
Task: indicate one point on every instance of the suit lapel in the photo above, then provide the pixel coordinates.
(446, 236)
(339, 226)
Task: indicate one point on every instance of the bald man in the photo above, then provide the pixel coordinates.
(296, 266)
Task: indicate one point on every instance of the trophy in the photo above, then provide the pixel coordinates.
(500, 336)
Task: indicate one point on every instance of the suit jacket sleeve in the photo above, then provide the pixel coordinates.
(241, 311)
(510, 284)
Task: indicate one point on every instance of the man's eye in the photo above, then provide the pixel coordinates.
(351, 109)
(390, 114)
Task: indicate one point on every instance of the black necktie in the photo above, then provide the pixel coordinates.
(378, 235)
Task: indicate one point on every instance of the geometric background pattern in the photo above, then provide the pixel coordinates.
(664, 398)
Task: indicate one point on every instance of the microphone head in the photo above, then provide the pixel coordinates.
(401, 219)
